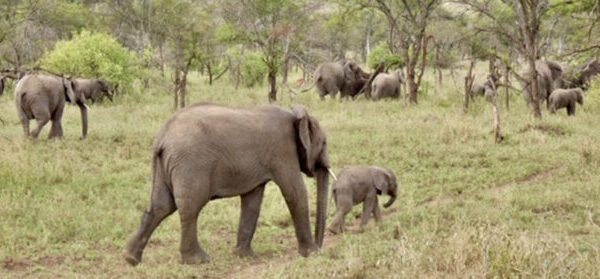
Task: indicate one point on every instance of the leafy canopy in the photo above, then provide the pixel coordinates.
(93, 55)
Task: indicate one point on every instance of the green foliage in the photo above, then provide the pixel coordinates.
(253, 69)
(92, 55)
(382, 54)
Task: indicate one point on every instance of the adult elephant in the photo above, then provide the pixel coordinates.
(208, 152)
(43, 98)
(548, 73)
(387, 85)
(343, 76)
(94, 89)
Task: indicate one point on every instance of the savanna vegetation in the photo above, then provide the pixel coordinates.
(473, 201)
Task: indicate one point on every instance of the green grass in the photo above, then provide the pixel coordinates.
(528, 207)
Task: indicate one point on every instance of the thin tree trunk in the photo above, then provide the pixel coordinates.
(272, 85)
(507, 84)
(468, 87)
(162, 60)
(210, 73)
(182, 89)
(497, 128)
(176, 87)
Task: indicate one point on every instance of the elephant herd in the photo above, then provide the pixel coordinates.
(347, 78)
(557, 87)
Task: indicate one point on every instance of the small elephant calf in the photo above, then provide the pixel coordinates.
(565, 98)
(361, 185)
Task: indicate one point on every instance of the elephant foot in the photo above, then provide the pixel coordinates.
(244, 252)
(306, 251)
(196, 258)
(132, 258)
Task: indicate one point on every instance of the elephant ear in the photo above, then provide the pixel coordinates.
(69, 90)
(303, 139)
(350, 70)
(380, 181)
(555, 69)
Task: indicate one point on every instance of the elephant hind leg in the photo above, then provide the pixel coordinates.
(191, 195)
(343, 204)
(571, 109)
(56, 130)
(251, 203)
(162, 205)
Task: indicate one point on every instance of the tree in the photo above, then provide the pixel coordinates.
(266, 25)
(408, 21)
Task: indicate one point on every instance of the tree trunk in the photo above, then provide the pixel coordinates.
(176, 83)
(272, 85)
(497, 128)
(182, 88)
(162, 60)
(507, 84)
(210, 73)
(468, 87)
(412, 86)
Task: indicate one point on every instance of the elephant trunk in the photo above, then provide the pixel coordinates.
(390, 201)
(322, 192)
(84, 120)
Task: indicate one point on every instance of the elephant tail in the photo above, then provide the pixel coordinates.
(159, 176)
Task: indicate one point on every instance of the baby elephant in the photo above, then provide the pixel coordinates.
(361, 185)
(565, 98)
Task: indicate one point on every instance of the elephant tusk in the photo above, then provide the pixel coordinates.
(86, 106)
(332, 174)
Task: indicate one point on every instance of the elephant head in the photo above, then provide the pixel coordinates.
(400, 76)
(353, 72)
(579, 93)
(311, 145)
(385, 182)
(105, 87)
(75, 97)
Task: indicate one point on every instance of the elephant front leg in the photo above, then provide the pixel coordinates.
(251, 203)
(368, 207)
(56, 130)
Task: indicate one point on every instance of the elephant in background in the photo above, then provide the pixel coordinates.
(94, 89)
(344, 76)
(362, 185)
(43, 98)
(581, 77)
(548, 73)
(208, 152)
(566, 98)
(387, 85)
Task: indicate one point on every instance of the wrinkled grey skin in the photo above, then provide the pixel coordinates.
(343, 76)
(362, 185)
(208, 152)
(94, 89)
(43, 98)
(387, 85)
(566, 98)
(548, 73)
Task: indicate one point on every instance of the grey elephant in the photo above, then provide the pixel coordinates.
(207, 152)
(566, 98)
(356, 185)
(344, 76)
(387, 85)
(548, 73)
(580, 77)
(43, 98)
(94, 89)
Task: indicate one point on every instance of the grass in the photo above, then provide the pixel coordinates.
(528, 207)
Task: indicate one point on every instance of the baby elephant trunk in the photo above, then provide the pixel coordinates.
(391, 200)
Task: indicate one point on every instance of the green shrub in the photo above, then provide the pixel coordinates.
(94, 55)
(253, 69)
(382, 54)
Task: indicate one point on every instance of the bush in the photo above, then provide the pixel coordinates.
(94, 55)
(382, 54)
(253, 69)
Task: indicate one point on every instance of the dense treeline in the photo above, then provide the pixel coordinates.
(252, 40)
